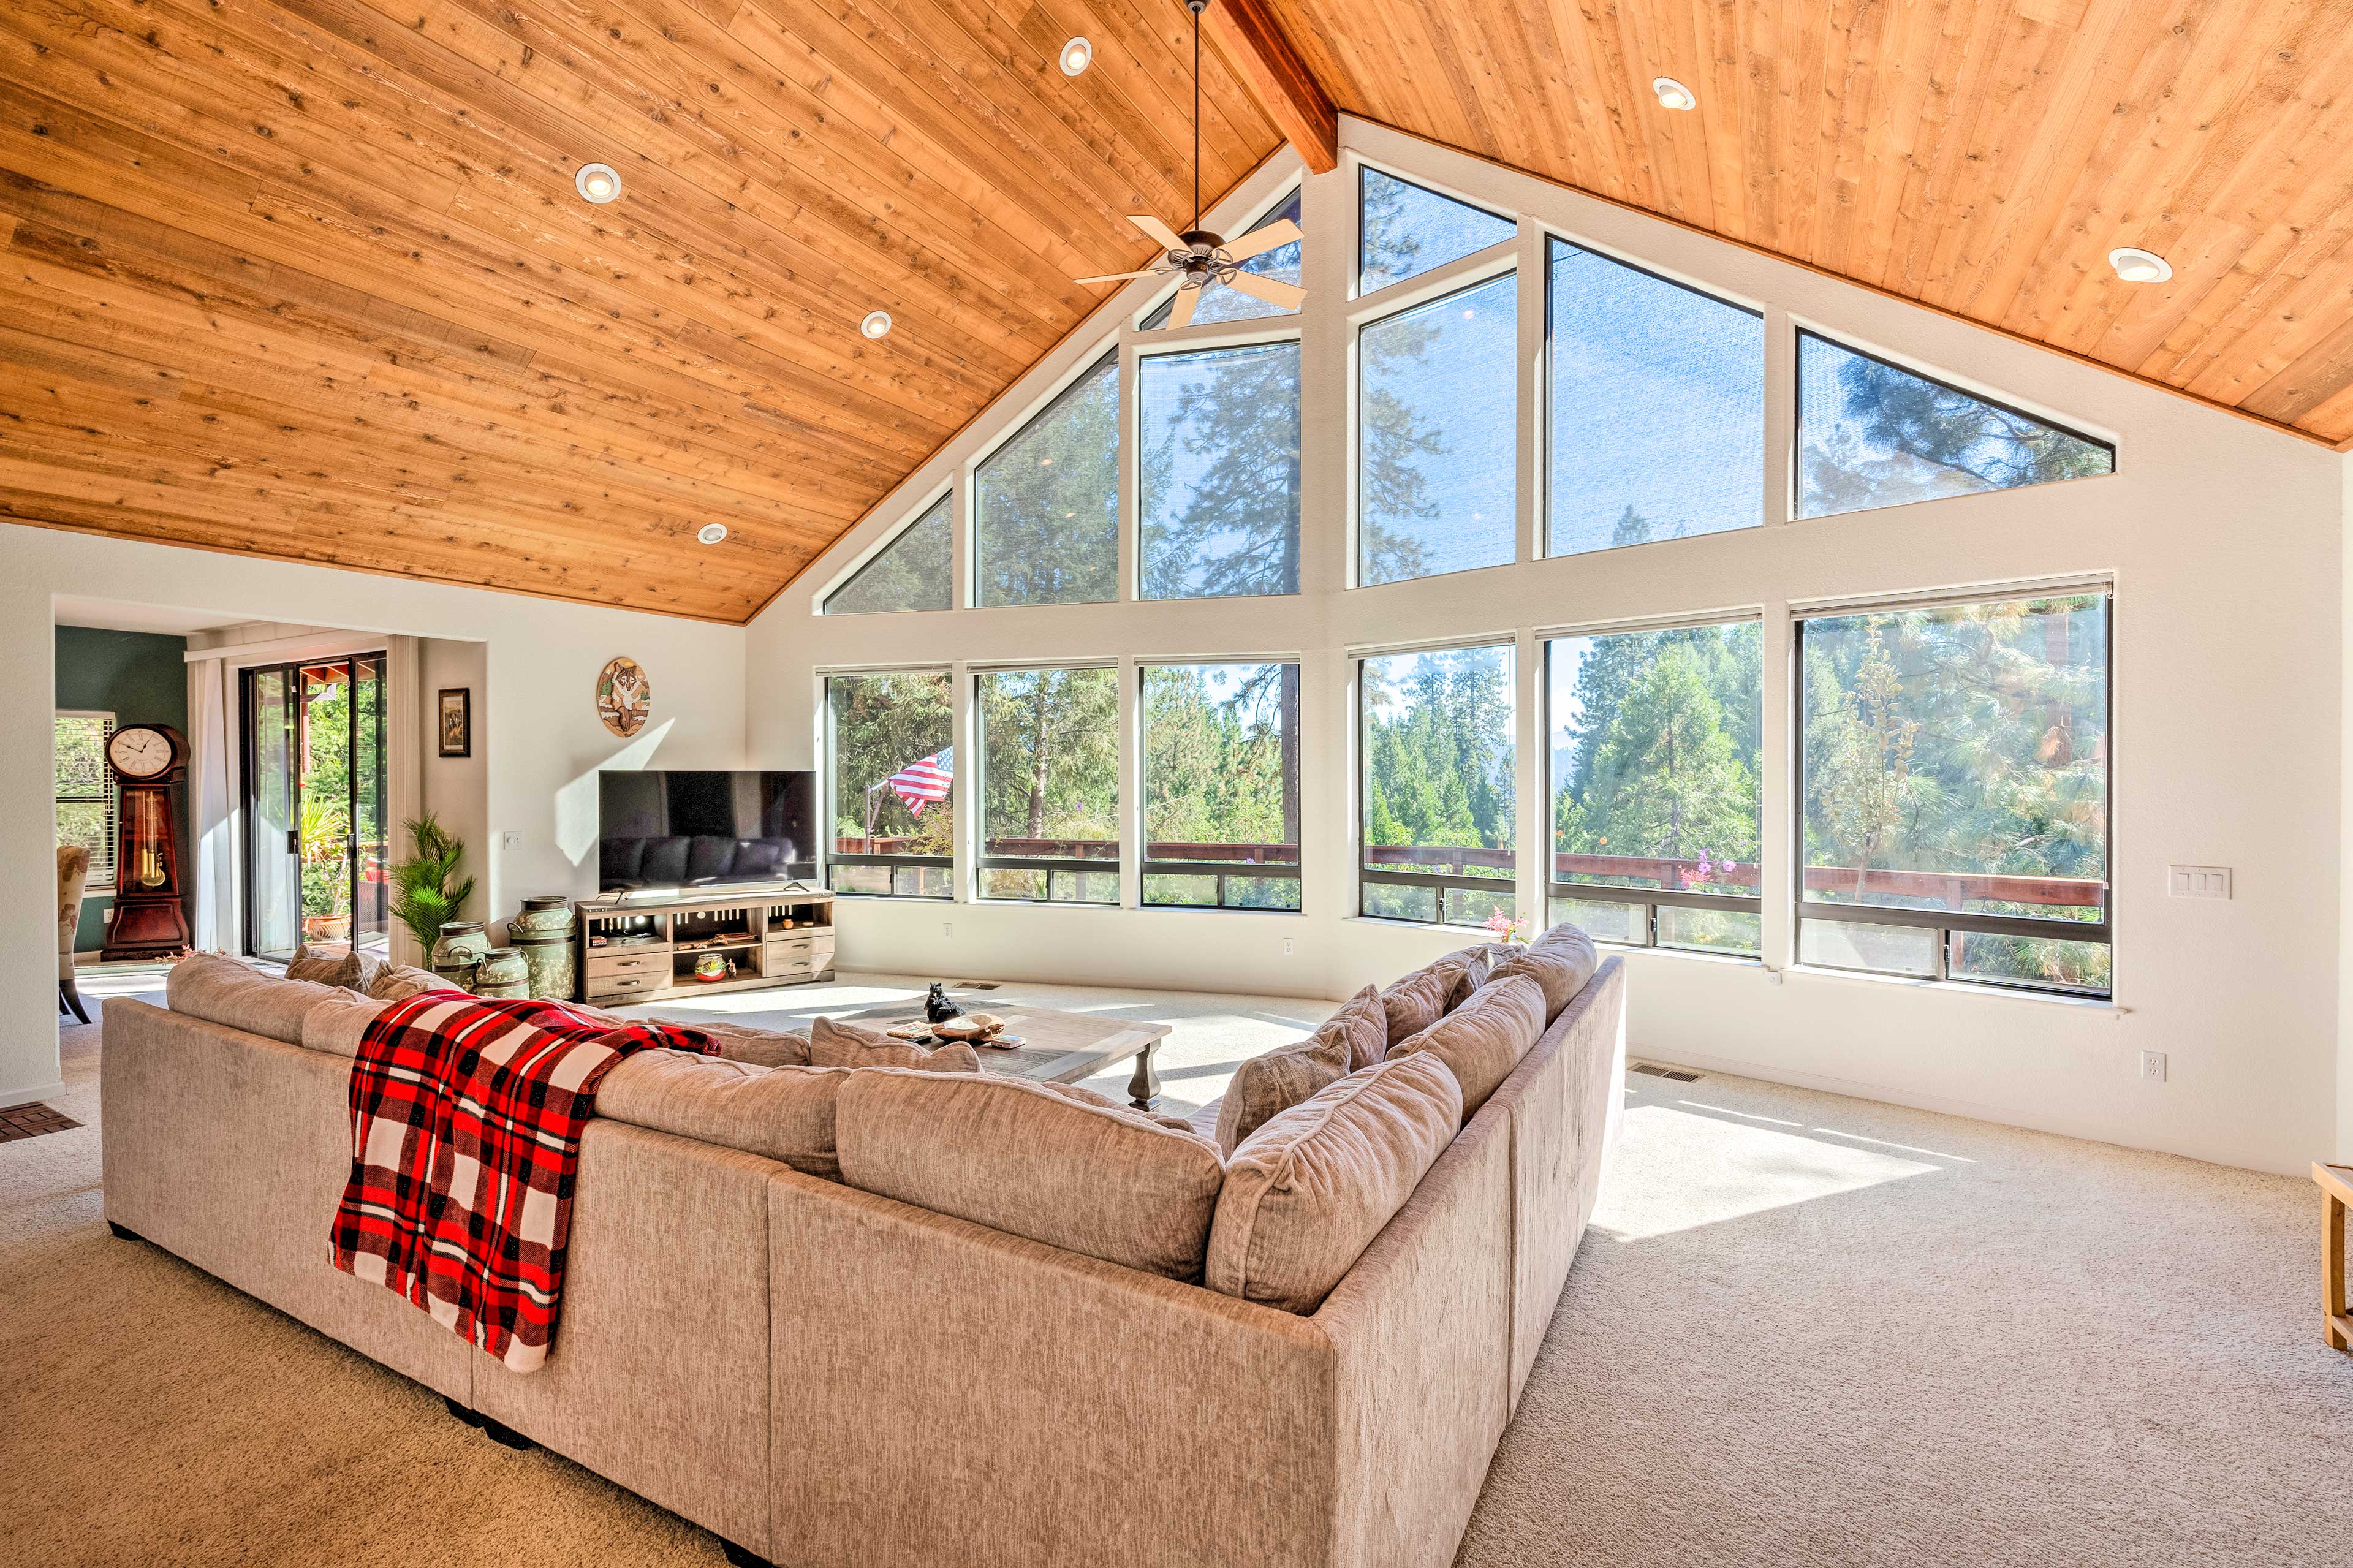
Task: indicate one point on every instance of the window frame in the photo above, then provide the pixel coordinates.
(976, 563)
(1800, 331)
(831, 784)
(1356, 289)
(920, 516)
(1289, 871)
(1441, 883)
(1950, 924)
(99, 883)
(1648, 900)
(1081, 864)
(1546, 445)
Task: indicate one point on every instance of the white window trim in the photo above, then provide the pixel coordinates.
(101, 884)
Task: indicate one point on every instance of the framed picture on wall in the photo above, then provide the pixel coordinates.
(458, 722)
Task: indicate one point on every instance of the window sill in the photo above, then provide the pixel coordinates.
(1213, 910)
(1736, 960)
(1811, 973)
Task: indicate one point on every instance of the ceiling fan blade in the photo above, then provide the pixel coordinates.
(1279, 233)
(1124, 276)
(1272, 290)
(1180, 310)
(1162, 234)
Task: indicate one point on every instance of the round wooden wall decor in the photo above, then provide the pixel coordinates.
(624, 696)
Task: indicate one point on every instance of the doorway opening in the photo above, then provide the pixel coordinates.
(315, 833)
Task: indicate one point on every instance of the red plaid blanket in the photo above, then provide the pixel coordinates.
(466, 1119)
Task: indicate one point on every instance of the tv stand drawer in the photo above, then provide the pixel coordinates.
(637, 960)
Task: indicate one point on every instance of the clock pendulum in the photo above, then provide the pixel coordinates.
(148, 761)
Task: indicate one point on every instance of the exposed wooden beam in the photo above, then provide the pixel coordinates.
(1255, 48)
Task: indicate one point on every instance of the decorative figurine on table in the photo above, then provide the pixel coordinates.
(936, 1005)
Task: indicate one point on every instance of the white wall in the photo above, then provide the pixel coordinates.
(2223, 540)
(540, 747)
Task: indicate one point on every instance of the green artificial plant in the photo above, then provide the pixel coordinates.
(427, 894)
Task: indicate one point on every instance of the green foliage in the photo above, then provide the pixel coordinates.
(1237, 529)
(425, 892)
(1216, 770)
(911, 573)
(882, 723)
(1049, 754)
(1438, 754)
(1046, 516)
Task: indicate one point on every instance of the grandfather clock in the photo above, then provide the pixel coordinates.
(148, 761)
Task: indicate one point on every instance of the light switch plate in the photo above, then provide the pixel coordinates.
(509, 840)
(2198, 881)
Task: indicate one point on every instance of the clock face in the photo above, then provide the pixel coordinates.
(140, 752)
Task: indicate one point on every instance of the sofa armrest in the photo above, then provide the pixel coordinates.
(945, 1392)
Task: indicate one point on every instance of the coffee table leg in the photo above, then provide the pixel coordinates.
(1143, 1084)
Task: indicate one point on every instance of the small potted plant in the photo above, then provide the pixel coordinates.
(1509, 930)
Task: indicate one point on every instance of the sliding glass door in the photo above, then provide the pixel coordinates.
(316, 838)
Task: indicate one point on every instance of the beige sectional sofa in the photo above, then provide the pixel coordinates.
(1023, 1365)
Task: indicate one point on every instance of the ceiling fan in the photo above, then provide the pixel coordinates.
(1203, 257)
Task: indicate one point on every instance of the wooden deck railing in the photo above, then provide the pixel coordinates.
(1955, 890)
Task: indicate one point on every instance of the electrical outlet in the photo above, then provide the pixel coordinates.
(947, 928)
(2152, 1067)
(1286, 947)
(509, 840)
(2198, 881)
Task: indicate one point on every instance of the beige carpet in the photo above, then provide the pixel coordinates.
(1806, 1331)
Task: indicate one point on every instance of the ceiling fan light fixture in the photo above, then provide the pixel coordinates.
(597, 182)
(711, 533)
(1673, 94)
(877, 325)
(2135, 265)
(1077, 55)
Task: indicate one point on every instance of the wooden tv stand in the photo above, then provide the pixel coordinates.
(645, 950)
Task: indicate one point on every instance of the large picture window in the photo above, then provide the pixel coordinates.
(1221, 472)
(1440, 785)
(911, 573)
(1438, 456)
(891, 769)
(85, 791)
(1656, 810)
(1046, 504)
(1050, 785)
(1657, 408)
(1872, 434)
(1955, 792)
(1221, 785)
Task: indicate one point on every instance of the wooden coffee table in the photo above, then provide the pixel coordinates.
(1056, 1047)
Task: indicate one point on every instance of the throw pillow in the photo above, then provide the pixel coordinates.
(1417, 1001)
(1561, 962)
(1266, 1086)
(399, 982)
(1365, 1024)
(833, 1045)
(331, 966)
(1482, 1040)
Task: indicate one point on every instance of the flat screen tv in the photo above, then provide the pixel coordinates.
(676, 829)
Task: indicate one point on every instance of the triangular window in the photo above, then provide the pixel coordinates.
(911, 573)
(1405, 231)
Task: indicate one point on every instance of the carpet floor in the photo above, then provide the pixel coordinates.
(1804, 1330)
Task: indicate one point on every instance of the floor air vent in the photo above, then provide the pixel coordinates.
(974, 986)
(1675, 1074)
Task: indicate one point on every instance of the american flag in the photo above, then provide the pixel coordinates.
(921, 783)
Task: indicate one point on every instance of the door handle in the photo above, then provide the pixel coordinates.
(294, 842)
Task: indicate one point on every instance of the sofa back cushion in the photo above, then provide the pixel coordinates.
(1017, 1157)
(1422, 997)
(333, 1028)
(838, 1045)
(1267, 1085)
(1308, 1193)
(1560, 962)
(228, 992)
(784, 1113)
(1483, 1039)
(338, 965)
(398, 982)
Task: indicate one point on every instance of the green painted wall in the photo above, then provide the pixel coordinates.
(140, 678)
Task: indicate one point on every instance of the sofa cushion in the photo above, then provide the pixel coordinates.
(1364, 1021)
(1033, 1161)
(221, 990)
(333, 1028)
(838, 1045)
(1483, 1039)
(783, 1113)
(1086, 1096)
(1560, 962)
(1267, 1085)
(1422, 997)
(1308, 1193)
(398, 982)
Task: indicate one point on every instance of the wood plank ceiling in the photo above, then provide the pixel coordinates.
(1979, 156)
(310, 278)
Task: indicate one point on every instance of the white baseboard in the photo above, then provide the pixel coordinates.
(10, 1097)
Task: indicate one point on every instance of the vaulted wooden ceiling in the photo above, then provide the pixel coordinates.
(310, 277)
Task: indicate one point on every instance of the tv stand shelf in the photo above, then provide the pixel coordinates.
(645, 948)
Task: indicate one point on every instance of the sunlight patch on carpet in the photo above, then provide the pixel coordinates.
(1677, 1170)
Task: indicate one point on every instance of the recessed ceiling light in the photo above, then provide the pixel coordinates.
(2137, 265)
(711, 532)
(597, 182)
(1077, 55)
(1673, 94)
(876, 324)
